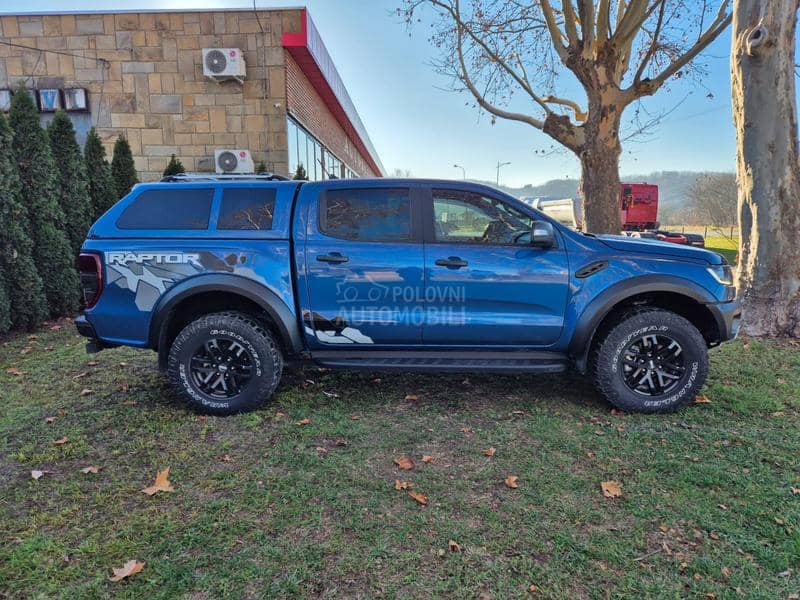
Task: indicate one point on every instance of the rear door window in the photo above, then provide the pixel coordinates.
(246, 209)
(168, 209)
(367, 215)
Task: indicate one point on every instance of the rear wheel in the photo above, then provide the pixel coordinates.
(224, 363)
(650, 361)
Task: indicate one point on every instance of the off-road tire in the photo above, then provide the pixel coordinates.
(607, 368)
(247, 331)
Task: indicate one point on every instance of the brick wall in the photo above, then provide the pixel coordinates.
(305, 104)
(153, 90)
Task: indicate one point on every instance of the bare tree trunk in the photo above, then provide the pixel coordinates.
(599, 158)
(768, 168)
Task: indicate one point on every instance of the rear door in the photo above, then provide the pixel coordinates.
(364, 266)
(486, 284)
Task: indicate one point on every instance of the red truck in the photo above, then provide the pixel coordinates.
(639, 206)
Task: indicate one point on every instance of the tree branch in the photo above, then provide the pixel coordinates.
(653, 44)
(570, 23)
(586, 11)
(555, 32)
(635, 15)
(722, 20)
(486, 105)
(580, 115)
(604, 20)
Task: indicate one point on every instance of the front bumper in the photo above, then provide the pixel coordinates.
(729, 317)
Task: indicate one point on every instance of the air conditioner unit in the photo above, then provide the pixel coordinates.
(234, 161)
(223, 63)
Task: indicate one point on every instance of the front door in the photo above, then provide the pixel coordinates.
(364, 261)
(486, 283)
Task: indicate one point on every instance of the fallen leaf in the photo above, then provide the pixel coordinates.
(511, 481)
(79, 375)
(533, 589)
(796, 491)
(201, 418)
(49, 419)
(226, 458)
(616, 411)
(419, 497)
(354, 417)
(611, 489)
(33, 338)
(402, 485)
(701, 399)
(726, 572)
(15, 371)
(123, 364)
(489, 452)
(305, 421)
(322, 450)
(466, 430)
(427, 458)
(61, 441)
(92, 363)
(161, 484)
(86, 392)
(37, 474)
(786, 573)
(330, 394)
(453, 546)
(88, 470)
(130, 403)
(411, 398)
(713, 535)
(26, 350)
(124, 387)
(404, 463)
(55, 328)
(129, 568)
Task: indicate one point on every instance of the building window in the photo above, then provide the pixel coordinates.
(318, 162)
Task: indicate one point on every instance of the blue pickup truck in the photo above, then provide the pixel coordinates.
(229, 279)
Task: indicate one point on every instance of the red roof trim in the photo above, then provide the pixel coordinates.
(307, 49)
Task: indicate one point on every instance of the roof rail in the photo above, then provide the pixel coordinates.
(222, 177)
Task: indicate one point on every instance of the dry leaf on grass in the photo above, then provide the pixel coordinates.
(124, 387)
(49, 419)
(226, 458)
(88, 470)
(796, 491)
(404, 463)
(15, 371)
(402, 485)
(511, 481)
(427, 458)
(419, 497)
(92, 363)
(129, 568)
(61, 441)
(466, 430)
(354, 417)
(611, 489)
(701, 399)
(489, 452)
(86, 392)
(26, 350)
(305, 421)
(411, 398)
(453, 546)
(55, 328)
(37, 474)
(161, 484)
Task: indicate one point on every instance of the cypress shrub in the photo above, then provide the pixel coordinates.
(24, 287)
(52, 252)
(122, 167)
(102, 192)
(73, 188)
(5, 305)
(300, 173)
(174, 167)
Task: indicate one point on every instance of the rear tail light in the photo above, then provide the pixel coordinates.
(91, 272)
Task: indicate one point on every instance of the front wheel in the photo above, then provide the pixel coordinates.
(650, 361)
(224, 363)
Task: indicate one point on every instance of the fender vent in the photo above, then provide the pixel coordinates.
(590, 269)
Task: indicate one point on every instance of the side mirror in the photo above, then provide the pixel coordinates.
(542, 234)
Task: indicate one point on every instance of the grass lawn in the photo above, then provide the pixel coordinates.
(266, 508)
(728, 247)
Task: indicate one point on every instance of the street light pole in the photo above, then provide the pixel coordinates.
(499, 164)
(463, 170)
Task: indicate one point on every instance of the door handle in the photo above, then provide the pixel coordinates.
(452, 262)
(333, 257)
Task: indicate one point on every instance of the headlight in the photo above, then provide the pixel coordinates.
(722, 273)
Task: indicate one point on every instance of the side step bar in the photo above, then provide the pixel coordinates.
(444, 361)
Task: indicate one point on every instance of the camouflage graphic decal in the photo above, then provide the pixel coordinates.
(149, 274)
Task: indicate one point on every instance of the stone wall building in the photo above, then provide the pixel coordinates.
(142, 73)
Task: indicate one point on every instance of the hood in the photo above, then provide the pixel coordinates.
(649, 246)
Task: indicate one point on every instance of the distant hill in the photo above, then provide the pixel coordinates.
(673, 187)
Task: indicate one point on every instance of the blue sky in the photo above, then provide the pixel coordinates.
(416, 125)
